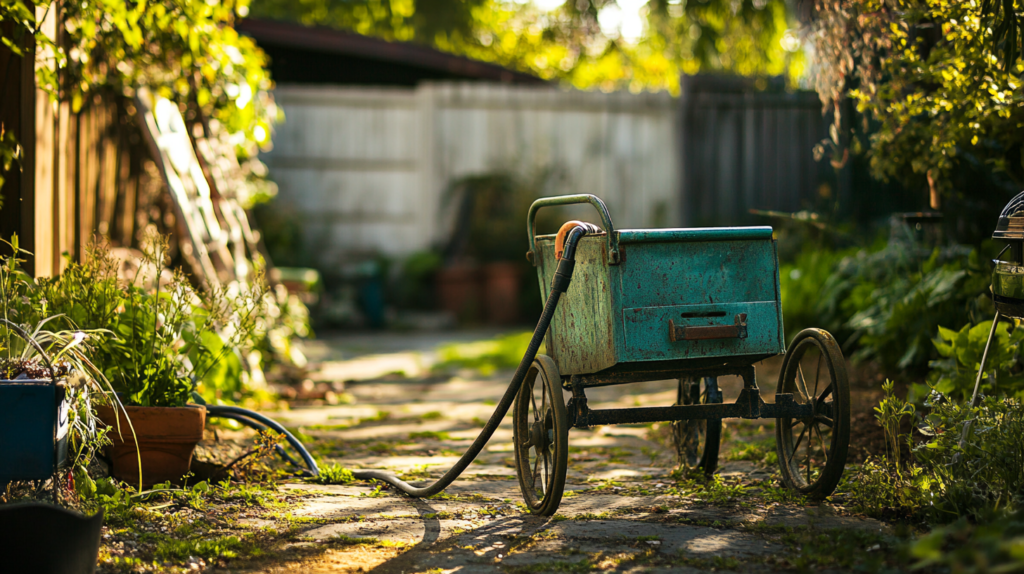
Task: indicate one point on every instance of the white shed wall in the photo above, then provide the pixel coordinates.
(366, 168)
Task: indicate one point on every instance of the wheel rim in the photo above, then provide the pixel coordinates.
(540, 439)
(809, 445)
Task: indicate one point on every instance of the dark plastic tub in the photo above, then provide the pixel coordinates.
(33, 429)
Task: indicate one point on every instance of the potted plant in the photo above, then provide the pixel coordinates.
(46, 419)
(167, 341)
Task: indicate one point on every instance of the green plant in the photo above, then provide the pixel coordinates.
(890, 413)
(167, 339)
(333, 474)
(935, 84)
(70, 351)
(993, 546)
(954, 374)
(888, 486)
(986, 473)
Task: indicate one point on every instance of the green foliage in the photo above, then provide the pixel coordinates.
(886, 487)
(884, 301)
(503, 352)
(186, 50)
(934, 80)
(955, 373)
(986, 474)
(70, 351)
(898, 296)
(800, 281)
(994, 546)
(209, 549)
(890, 413)
(567, 43)
(165, 339)
(333, 474)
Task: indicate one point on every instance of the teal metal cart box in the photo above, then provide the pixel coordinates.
(634, 290)
(690, 305)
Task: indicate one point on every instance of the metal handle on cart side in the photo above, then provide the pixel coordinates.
(602, 209)
(737, 330)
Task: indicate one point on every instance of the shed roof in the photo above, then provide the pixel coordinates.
(320, 55)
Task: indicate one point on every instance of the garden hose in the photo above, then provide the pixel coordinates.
(262, 423)
(560, 283)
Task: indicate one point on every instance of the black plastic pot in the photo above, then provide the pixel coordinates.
(38, 538)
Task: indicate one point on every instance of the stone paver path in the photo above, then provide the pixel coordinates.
(624, 509)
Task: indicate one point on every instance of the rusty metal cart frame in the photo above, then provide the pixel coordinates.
(686, 304)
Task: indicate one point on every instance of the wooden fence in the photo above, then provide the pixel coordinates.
(81, 173)
(743, 149)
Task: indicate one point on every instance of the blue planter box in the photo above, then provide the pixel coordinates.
(33, 429)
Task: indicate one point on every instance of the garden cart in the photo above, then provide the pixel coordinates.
(684, 304)
(626, 306)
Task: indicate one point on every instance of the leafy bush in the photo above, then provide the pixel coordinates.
(986, 474)
(884, 301)
(888, 486)
(895, 298)
(800, 281)
(167, 337)
(956, 372)
(995, 546)
(980, 479)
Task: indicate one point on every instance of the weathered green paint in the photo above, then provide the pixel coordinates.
(615, 314)
(645, 331)
(693, 272)
(581, 338)
(693, 234)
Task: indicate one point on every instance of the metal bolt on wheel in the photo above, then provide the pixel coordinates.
(697, 441)
(812, 451)
(541, 437)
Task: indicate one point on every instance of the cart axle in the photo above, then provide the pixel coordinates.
(748, 405)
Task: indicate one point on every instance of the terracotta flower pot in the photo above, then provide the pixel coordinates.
(458, 291)
(501, 293)
(167, 437)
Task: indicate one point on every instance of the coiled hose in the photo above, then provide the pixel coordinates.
(560, 283)
(563, 275)
(262, 423)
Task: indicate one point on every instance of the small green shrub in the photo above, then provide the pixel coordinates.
(888, 486)
(955, 373)
(333, 474)
(996, 546)
(884, 300)
(986, 474)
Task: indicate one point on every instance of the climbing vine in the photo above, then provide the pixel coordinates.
(186, 50)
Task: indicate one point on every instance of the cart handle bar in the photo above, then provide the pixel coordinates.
(602, 209)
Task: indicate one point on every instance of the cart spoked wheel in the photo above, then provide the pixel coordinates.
(697, 440)
(812, 451)
(541, 437)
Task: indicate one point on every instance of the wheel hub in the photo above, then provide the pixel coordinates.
(539, 435)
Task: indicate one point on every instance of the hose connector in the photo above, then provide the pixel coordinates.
(571, 231)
